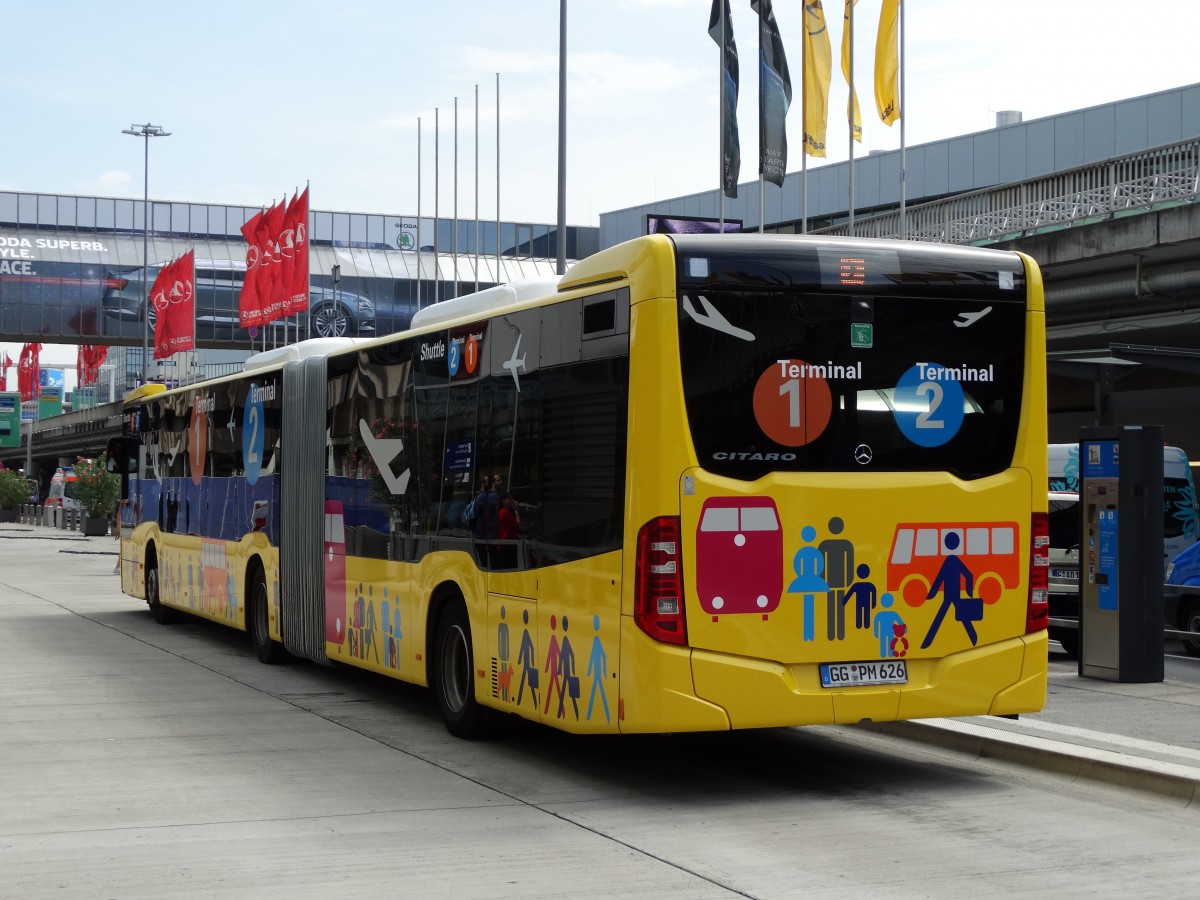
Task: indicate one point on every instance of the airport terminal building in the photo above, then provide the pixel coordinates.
(73, 270)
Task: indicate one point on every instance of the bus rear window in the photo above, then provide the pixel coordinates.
(787, 380)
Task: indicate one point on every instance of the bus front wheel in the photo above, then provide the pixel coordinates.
(161, 613)
(267, 650)
(453, 673)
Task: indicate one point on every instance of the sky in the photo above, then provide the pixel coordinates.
(263, 98)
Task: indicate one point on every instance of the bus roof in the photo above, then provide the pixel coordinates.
(487, 301)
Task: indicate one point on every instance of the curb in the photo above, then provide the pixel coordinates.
(1164, 779)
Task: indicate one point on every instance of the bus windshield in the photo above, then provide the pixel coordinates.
(914, 373)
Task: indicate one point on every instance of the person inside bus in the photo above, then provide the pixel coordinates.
(485, 523)
(508, 521)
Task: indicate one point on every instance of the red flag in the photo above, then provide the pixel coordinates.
(287, 253)
(91, 357)
(29, 373)
(274, 301)
(249, 304)
(174, 299)
(298, 282)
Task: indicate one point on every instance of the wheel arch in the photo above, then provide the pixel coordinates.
(440, 598)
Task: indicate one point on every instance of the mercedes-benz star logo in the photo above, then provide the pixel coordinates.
(863, 454)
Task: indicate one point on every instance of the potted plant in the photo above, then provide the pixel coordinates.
(14, 490)
(97, 491)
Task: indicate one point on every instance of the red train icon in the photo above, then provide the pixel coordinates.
(739, 556)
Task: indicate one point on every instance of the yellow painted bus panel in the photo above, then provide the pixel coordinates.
(376, 628)
(1029, 692)
(657, 693)
(758, 593)
(201, 576)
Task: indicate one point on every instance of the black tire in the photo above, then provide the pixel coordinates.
(1069, 641)
(331, 320)
(258, 621)
(454, 674)
(1191, 622)
(162, 614)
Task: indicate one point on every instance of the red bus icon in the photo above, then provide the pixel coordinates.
(739, 556)
(990, 550)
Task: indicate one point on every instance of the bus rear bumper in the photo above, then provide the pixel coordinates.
(1004, 678)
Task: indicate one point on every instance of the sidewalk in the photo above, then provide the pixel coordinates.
(1140, 736)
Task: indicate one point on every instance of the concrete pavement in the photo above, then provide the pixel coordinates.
(88, 748)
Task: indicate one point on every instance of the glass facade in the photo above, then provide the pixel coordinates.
(72, 268)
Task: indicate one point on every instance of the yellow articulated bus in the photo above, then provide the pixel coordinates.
(696, 483)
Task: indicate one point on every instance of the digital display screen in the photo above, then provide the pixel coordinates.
(860, 268)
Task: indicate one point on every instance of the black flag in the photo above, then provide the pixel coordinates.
(731, 149)
(775, 96)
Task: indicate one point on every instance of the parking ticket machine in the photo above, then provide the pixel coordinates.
(1120, 566)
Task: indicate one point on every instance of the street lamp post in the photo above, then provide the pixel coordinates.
(146, 131)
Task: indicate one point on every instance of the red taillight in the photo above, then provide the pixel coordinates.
(115, 284)
(1037, 615)
(658, 600)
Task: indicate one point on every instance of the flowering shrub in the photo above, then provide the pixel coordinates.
(14, 489)
(95, 487)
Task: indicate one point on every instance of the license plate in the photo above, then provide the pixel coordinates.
(1065, 574)
(853, 674)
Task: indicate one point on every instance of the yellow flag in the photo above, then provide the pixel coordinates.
(852, 104)
(818, 64)
(887, 63)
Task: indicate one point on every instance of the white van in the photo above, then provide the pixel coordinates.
(62, 492)
(1181, 525)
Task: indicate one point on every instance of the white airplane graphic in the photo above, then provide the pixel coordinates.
(966, 320)
(383, 451)
(713, 319)
(512, 363)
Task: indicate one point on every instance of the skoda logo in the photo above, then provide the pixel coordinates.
(863, 454)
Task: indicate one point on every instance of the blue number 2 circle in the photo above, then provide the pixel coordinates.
(929, 404)
(454, 357)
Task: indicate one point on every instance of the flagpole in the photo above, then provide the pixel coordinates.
(561, 236)
(903, 119)
(418, 213)
(454, 238)
(499, 277)
(437, 223)
(477, 188)
(850, 80)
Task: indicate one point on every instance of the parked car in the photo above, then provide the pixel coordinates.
(1065, 527)
(1181, 596)
(218, 287)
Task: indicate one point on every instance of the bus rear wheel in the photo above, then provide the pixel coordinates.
(267, 650)
(161, 613)
(453, 673)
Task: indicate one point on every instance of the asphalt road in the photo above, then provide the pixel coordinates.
(154, 761)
